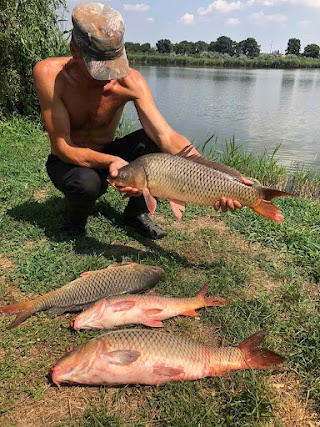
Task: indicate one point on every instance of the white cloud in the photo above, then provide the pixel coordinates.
(187, 19)
(220, 6)
(304, 3)
(137, 7)
(266, 3)
(261, 18)
(232, 21)
(150, 19)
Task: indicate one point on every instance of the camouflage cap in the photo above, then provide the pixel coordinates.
(98, 32)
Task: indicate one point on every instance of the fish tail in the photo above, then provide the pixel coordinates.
(209, 301)
(266, 208)
(23, 310)
(258, 358)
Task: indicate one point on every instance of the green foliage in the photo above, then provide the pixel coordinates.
(164, 46)
(311, 51)
(29, 32)
(294, 46)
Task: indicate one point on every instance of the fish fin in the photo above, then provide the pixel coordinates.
(177, 208)
(258, 358)
(151, 202)
(152, 311)
(120, 264)
(122, 306)
(86, 273)
(23, 310)
(210, 301)
(192, 313)
(153, 323)
(271, 193)
(268, 210)
(121, 357)
(197, 158)
(167, 371)
(56, 311)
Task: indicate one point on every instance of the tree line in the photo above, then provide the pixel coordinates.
(223, 45)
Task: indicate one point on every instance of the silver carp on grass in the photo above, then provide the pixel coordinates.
(88, 288)
(193, 179)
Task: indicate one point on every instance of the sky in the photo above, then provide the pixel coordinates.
(271, 22)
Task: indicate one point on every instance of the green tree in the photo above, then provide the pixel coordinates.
(224, 45)
(132, 47)
(145, 47)
(164, 46)
(311, 51)
(183, 48)
(248, 47)
(294, 47)
(200, 46)
(30, 31)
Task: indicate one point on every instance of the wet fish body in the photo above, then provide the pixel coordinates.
(148, 310)
(196, 180)
(134, 356)
(89, 288)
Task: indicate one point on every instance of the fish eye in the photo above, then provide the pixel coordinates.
(122, 174)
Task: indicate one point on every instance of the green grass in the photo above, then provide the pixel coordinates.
(269, 272)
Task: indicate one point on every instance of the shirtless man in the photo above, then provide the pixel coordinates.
(82, 98)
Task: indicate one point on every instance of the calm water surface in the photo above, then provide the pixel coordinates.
(260, 108)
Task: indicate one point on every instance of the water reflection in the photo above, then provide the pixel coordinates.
(260, 108)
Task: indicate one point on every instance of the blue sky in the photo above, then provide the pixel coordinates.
(270, 22)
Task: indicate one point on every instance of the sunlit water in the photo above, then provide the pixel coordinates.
(260, 108)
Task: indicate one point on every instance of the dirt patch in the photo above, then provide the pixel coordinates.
(291, 411)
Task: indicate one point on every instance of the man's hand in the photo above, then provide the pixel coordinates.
(227, 204)
(114, 167)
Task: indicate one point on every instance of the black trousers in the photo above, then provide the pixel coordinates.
(83, 186)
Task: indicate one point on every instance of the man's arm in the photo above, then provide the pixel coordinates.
(57, 122)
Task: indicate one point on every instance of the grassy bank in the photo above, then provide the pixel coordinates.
(220, 60)
(268, 271)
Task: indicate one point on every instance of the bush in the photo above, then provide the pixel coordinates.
(30, 31)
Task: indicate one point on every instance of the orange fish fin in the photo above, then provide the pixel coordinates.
(153, 323)
(122, 306)
(151, 202)
(192, 313)
(22, 309)
(177, 208)
(258, 358)
(121, 357)
(197, 158)
(201, 294)
(268, 210)
(209, 301)
(167, 371)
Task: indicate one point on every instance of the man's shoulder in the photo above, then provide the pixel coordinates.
(50, 66)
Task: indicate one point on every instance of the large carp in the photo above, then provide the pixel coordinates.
(135, 356)
(88, 288)
(183, 178)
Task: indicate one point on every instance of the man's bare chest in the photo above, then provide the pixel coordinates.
(91, 109)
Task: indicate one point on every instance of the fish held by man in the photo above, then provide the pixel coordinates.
(88, 288)
(148, 310)
(142, 356)
(183, 178)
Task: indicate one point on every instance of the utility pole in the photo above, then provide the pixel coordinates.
(271, 46)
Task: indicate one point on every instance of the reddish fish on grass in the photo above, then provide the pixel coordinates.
(87, 289)
(193, 179)
(148, 310)
(142, 356)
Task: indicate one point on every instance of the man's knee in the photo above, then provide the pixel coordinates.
(84, 183)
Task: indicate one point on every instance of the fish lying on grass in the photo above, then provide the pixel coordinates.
(193, 179)
(147, 310)
(135, 356)
(87, 289)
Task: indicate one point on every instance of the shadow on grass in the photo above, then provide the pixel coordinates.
(48, 215)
